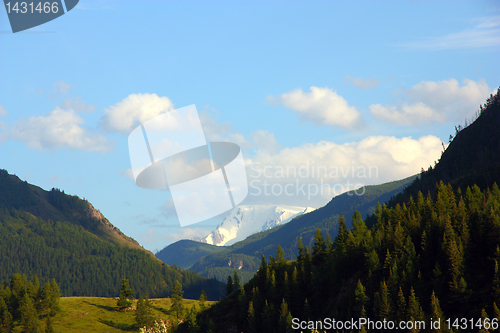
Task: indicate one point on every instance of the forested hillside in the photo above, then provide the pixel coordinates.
(472, 157)
(427, 255)
(184, 253)
(429, 258)
(79, 248)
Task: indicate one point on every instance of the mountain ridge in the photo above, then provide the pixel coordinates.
(245, 220)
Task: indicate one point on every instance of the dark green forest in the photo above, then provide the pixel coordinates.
(23, 302)
(84, 264)
(430, 258)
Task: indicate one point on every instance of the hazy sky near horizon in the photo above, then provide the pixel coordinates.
(329, 95)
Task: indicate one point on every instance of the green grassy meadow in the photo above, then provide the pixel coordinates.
(100, 314)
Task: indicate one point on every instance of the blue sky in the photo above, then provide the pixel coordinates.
(350, 85)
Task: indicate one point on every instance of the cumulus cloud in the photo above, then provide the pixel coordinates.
(134, 109)
(57, 129)
(322, 106)
(429, 101)
(484, 34)
(312, 174)
(362, 83)
(264, 142)
(406, 115)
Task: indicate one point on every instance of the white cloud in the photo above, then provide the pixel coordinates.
(3, 112)
(57, 129)
(335, 168)
(406, 115)
(124, 115)
(429, 101)
(362, 83)
(215, 132)
(322, 106)
(264, 142)
(484, 34)
(77, 104)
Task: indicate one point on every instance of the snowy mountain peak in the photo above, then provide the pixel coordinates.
(244, 221)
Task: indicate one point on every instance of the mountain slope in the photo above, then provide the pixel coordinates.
(55, 205)
(473, 157)
(54, 235)
(244, 221)
(246, 255)
(185, 253)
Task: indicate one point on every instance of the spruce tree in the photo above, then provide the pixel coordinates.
(285, 320)
(177, 308)
(203, 299)
(437, 313)
(126, 296)
(360, 299)
(29, 316)
(384, 308)
(229, 285)
(251, 323)
(236, 280)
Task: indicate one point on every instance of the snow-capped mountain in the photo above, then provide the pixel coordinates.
(244, 221)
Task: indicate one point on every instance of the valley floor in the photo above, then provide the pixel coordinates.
(100, 314)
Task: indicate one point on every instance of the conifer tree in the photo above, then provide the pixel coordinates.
(5, 317)
(437, 313)
(143, 312)
(203, 299)
(126, 296)
(414, 311)
(285, 320)
(319, 249)
(384, 309)
(401, 306)
(236, 280)
(280, 255)
(55, 295)
(360, 299)
(229, 285)
(29, 316)
(177, 306)
(252, 325)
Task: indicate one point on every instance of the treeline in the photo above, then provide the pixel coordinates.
(436, 256)
(23, 303)
(84, 264)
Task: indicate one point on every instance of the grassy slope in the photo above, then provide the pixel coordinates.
(98, 314)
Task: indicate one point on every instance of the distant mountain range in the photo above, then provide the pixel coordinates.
(246, 255)
(244, 221)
